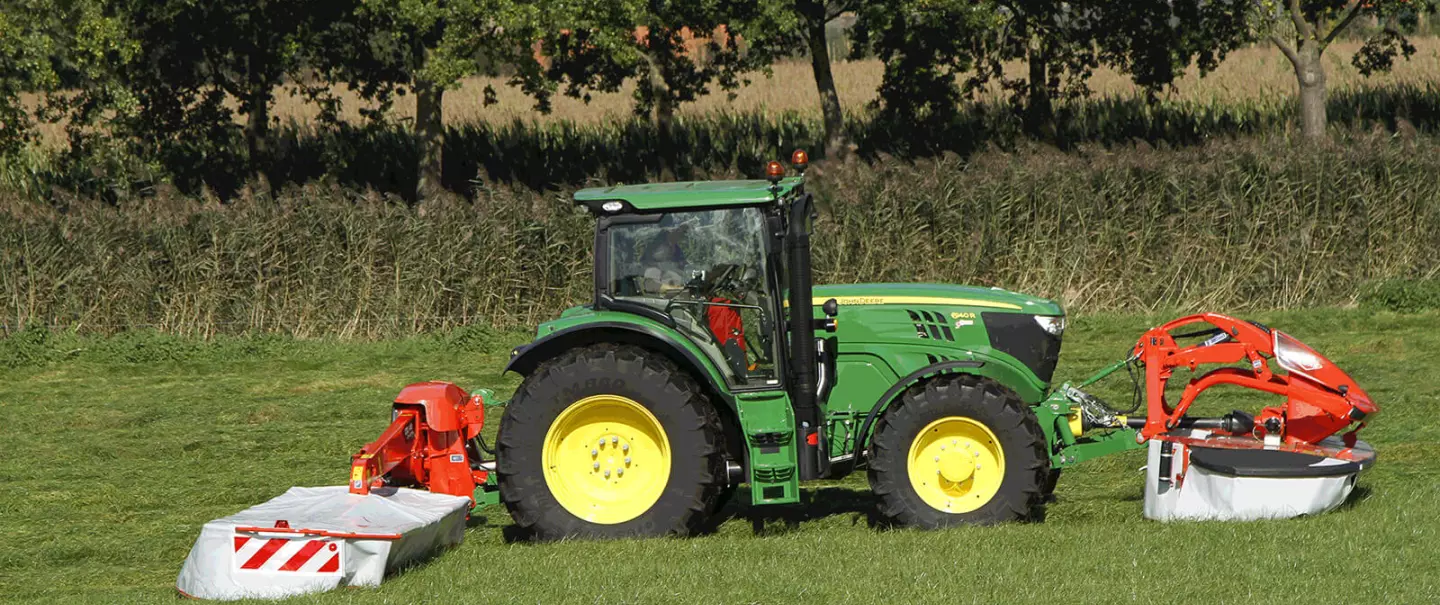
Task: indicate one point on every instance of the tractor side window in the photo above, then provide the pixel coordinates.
(707, 271)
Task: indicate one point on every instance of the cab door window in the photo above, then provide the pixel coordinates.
(706, 270)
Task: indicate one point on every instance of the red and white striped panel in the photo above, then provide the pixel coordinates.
(300, 555)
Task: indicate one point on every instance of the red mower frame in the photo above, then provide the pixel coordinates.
(1320, 398)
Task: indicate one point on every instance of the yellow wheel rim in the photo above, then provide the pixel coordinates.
(606, 459)
(956, 464)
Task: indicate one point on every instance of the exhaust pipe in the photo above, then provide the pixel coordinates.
(809, 432)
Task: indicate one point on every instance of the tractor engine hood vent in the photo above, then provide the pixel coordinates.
(931, 325)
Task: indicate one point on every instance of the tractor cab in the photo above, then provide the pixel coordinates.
(707, 271)
(715, 261)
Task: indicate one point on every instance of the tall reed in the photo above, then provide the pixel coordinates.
(1233, 224)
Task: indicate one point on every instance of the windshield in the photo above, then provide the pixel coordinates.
(707, 271)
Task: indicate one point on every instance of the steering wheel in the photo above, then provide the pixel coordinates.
(710, 282)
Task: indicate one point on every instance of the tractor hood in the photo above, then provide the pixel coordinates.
(913, 326)
(984, 299)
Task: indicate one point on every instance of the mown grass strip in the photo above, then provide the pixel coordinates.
(111, 467)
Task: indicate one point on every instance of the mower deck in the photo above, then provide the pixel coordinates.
(313, 539)
(1191, 478)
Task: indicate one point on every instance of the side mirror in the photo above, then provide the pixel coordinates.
(831, 308)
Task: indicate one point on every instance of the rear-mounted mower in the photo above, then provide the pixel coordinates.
(695, 368)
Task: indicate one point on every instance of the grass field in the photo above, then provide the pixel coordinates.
(114, 458)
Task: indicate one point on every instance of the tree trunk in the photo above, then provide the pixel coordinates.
(257, 133)
(664, 118)
(430, 136)
(813, 12)
(1039, 113)
(1310, 72)
(257, 124)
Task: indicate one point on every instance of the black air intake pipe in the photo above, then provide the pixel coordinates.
(802, 342)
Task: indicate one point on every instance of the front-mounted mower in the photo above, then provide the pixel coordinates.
(707, 359)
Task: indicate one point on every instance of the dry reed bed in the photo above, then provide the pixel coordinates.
(1223, 226)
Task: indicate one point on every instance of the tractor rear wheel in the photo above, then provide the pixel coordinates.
(958, 450)
(609, 441)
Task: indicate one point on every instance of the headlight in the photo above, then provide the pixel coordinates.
(1052, 324)
(1294, 355)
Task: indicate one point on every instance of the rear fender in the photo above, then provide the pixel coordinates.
(1022, 382)
(648, 335)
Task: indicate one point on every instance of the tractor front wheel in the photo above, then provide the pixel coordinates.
(956, 450)
(609, 441)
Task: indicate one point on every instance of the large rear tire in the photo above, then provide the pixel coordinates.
(959, 450)
(609, 441)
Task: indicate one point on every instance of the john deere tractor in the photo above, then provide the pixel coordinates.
(708, 359)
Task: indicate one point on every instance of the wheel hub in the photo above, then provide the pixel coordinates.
(606, 459)
(955, 467)
(956, 464)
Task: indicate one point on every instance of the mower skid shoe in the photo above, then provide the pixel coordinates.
(314, 539)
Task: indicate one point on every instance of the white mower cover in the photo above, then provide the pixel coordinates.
(334, 538)
(1210, 484)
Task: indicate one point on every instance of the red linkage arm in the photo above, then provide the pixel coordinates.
(383, 455)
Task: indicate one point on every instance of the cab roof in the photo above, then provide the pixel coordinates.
(668, 197)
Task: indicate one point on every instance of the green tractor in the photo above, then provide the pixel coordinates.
(708, 359)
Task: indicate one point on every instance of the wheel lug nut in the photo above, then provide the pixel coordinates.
(937, 458)
(602, 442)
(614, 440)
(619, 471)
(627, 460)
(594, 452)
(597, 466)
(625, 447)
(607, 474)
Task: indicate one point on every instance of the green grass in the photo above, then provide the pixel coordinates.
(116, 451)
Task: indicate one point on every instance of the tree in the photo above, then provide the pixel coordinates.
(674, 49)
(46, 46)
(25, 65)
(427, 47)
(193, 55)
(1155, 42)
(925, 45)
(1304, 29)
(1055, 41)
(929, 45)
(930, 48)
(814, 16)
(1061, 42)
